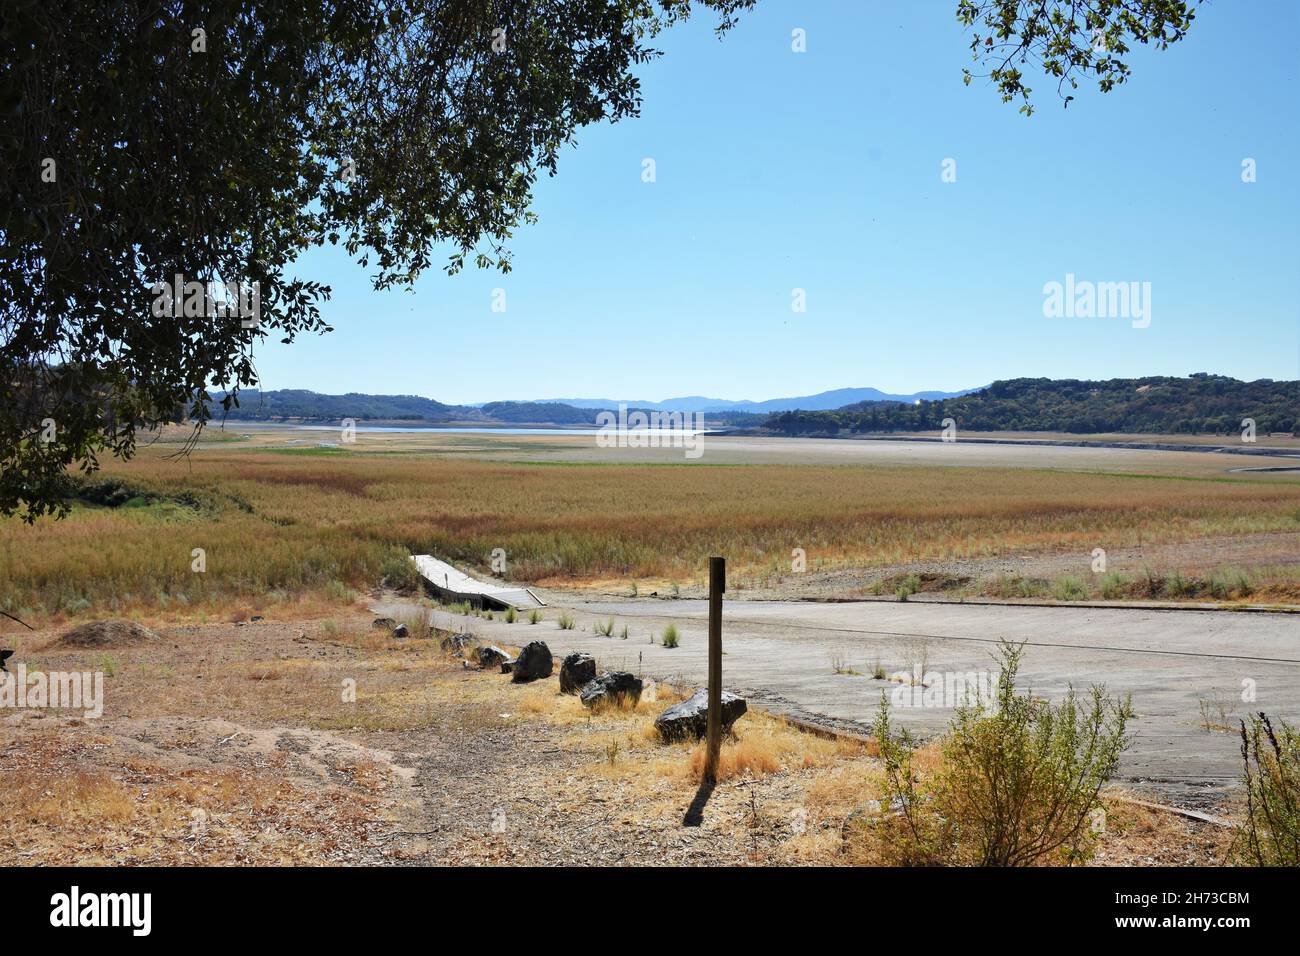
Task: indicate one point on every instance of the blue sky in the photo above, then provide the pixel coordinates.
(821, 171)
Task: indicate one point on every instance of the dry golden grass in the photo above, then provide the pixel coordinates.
(299, 531)
(64, 808)
(769, 745)
(86, 799)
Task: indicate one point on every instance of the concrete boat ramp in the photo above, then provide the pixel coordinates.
(1179, 666)
(454, 586)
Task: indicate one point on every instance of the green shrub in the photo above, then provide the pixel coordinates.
(338, 591)
(397, 571)
(1005, 586)
(606, 629)
(1017, 783)
(1069, 589)
(534, 616)
(511, 616)
(1030, 588)
(1239, 582)
(671, 637)
(1270, 834)
(1113, 585)
(566, 622)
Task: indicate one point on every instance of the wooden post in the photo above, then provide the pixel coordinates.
(717, 585)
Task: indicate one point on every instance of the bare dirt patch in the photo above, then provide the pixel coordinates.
(108, 634)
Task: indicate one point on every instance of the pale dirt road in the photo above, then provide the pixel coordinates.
(781, 654)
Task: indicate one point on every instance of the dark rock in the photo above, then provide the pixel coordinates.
(612, 688)
(507, 666)
(534, 662)
(257, 617)
(576, 671)
(455, 644)
(690, 719)
(400, 631)
(383, 624)
(491, 656)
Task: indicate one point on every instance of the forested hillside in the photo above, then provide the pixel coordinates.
(1198, 404)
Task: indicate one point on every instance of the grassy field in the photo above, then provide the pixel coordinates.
(308, 525)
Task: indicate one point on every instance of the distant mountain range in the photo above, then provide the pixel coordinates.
(302, 405)
(835, 398)
(1199, 404)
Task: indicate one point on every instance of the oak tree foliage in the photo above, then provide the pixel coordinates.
(218, 141)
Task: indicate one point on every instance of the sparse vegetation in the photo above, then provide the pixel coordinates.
(566, 621)
(606, 629)
(1012, 787)
(671, 637)
(840, 665)
(1113, 585)
(1270, 834)
(534, 616)
(1069, 589)
(1216, 712)
(910, 585)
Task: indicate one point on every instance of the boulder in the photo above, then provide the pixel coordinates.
(507, 665)
(400, 631)
(576, 671)
(455, 644)
(611, 689)
(689, 720)
(534, 662)
(491, 656)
